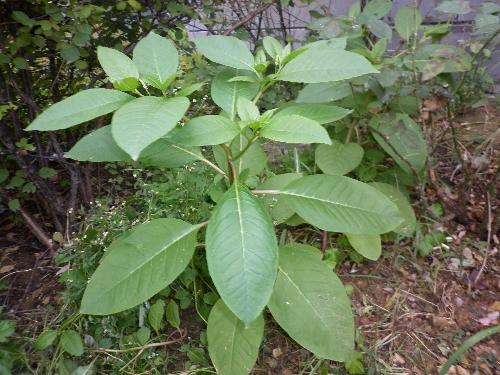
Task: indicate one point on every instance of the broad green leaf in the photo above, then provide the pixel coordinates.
(78, 108)
(310, 303)
(405, 104)
(332, 43)
(155, 315)
(246, 109)
(142, 335)
(66, 366)
(341, 204)
(71, 343)
(288, 55)
(204, 131)
(368, 245)
(454, 7)
(354, 364)
(330, 27)
(325, 65)
(172, 314)
(338, 158)
(272, 46)
(45, 172)
(407, 227)
(490, 8)
(98, 146)
(225, 94)
(7, 328)
(157, 60)
(279, 210)
(14, 204)
(321, 113)
(139, 265)
(295, 220)
(242, 252)
(45, 339)
(485, 24)
(407, 21)
(23, 18)
(260, 59)
(433, 59)
(226, 50)
(379, 49)
(401, 138)
(68, 53)
(120, 69)
(439, 30)
(379, 28)
(188, 90)
(144, 120)
(377, 8)
(324, 92)
(197, 356)
(295, 129)
(139, 337)
(233, 347)
(165, 154)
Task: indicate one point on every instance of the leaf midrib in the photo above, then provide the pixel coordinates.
(162, 249)
(285, 192)
(304, 296)
(242, 236)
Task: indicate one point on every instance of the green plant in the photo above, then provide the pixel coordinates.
(248, 268)
(47, 53)
(467, 344)
(8, 354)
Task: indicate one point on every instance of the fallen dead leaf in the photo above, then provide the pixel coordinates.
(495, 306)
(7, 268)
(457, 370)
(442, 323)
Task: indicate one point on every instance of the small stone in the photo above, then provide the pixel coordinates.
(397, 359)
(277, 352)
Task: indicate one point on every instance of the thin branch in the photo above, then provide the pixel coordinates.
(247, 18)
(488, 240)
(142, 348)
